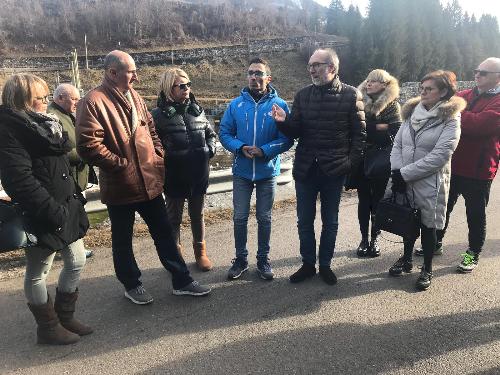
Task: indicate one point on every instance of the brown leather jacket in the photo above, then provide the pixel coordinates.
(131, 167)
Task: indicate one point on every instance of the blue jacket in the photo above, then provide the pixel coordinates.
(246, 122)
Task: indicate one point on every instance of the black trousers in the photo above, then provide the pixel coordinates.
(476, 195)
(370, 192)
(154, 214)
(428, 245)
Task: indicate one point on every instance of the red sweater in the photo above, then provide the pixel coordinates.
(478, 150)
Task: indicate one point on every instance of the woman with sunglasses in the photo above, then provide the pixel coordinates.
(189, 143)
(420, 162)
(35, 174)
(383, 117)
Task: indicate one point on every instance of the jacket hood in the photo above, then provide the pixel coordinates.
(270, 94)
(390, 93)
(446, 111)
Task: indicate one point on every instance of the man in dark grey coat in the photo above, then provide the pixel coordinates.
(328, 120)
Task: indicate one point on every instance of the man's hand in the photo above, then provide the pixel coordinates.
(382, 126)
(257, 152)
(278, 113)
(247, 151)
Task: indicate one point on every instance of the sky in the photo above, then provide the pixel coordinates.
(477, 7)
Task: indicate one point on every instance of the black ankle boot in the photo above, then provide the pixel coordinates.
(374, 248)
(362, 249)
(401, 265)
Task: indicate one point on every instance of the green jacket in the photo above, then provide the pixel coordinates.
(79, 170)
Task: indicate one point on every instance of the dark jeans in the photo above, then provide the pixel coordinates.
(476, 194)
(428, 245)
(154, 214)
(370, 192)
(330, 189)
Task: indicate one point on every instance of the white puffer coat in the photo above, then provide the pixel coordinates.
(424, 156)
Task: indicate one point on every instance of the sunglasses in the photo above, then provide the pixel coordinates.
(43, 99)
(256, 73)
(483, 73)
(183, 86)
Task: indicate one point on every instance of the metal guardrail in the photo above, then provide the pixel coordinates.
(219, 182)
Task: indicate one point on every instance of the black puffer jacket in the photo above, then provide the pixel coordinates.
(189, 143)
(329, 123)
(35, 173)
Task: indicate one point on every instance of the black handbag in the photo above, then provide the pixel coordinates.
(395, 215)
(377, 162)
(13, 233)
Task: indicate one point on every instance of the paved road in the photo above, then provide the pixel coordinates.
(367, 324)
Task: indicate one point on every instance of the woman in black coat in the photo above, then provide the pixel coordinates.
(383, 118)
(189, 143)
(35, 174)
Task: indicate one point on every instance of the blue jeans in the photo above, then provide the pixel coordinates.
(330, 189)
(242, 193)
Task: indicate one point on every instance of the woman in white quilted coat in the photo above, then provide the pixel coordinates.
(420, 162)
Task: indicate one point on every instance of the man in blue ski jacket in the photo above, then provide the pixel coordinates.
(249, 131)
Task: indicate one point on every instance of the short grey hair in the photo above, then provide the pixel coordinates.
(64, 89)
(112, 59)
(332, 57)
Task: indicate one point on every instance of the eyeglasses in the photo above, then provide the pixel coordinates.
(183, 86)
(256, 73)
(315, 65)
(426, 89)
(43, 99)
(482, 73)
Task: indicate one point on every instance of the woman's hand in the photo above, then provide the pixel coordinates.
(398, 183)
(278, 113)
(382, 127)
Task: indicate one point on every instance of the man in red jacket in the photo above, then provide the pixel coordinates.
(475, 161)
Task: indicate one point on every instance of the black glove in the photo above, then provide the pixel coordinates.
(398, 184)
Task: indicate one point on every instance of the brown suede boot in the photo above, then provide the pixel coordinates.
(65, 308)
(200, 254)
(49, 330)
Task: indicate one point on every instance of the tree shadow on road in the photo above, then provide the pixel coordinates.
(346, 348)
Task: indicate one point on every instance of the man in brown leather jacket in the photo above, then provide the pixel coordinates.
(116, 133)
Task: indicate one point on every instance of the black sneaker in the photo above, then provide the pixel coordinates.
(424, 280)
(374, 248)
(239, 266)
(327, 275)
(439, 250)
(401, 265)
(362, 249)
(264, 269)
(306, 271)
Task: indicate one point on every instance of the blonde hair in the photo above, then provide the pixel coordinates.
(20, 90)
(380, 75)
(167, 81)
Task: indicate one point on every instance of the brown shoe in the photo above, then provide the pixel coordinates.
(200, 254)
(49, 330)
(65, 308)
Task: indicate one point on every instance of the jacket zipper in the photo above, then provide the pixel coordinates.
(254, 139)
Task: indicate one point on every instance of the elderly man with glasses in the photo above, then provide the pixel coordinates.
(328, 119)
(248, 131)
(475, 161)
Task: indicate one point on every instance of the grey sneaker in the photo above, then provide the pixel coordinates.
(139, 295)
(264, 269)
(193, 289)
(439, 250)
(239, 266)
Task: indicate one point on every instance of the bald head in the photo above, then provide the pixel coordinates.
(487, 74)
(67, 96)
(119, 69)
